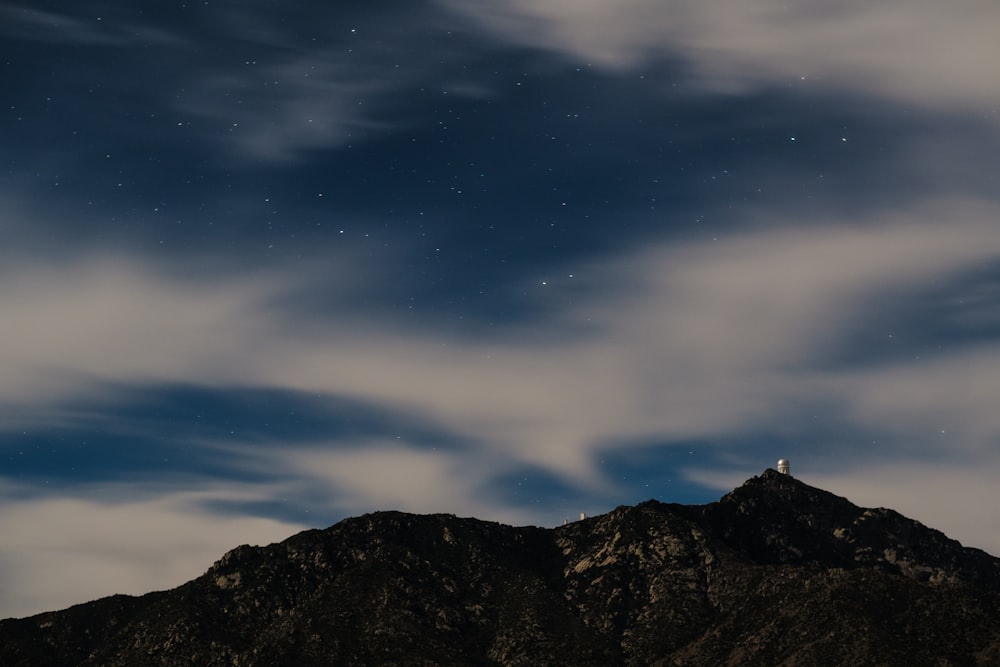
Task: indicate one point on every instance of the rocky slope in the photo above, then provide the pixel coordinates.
(775, 573)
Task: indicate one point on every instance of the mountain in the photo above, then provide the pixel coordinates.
(775, 573)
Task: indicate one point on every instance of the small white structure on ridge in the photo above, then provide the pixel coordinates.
(784, 467)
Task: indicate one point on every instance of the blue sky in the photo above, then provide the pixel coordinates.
(263, 268)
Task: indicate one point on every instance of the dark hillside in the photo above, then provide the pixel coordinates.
(776, 572)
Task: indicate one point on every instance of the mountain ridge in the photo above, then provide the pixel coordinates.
(775, 572)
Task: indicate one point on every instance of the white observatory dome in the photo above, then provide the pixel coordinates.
(784, 467)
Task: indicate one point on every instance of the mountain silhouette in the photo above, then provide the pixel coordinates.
(774, 573)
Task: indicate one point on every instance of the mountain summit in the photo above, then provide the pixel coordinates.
(775, 573)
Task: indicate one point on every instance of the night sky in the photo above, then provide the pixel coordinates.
(264, 266)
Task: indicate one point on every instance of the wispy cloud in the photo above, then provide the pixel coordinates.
(289, 96)
(388, 474)
(705, 339)
(92, 29)
(933, 55)
(278, 111)
(708, 336)
(72, 324)
(60, 550)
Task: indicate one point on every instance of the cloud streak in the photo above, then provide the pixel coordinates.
(22, 22)
(933, 55)
(61, 550)
(706, 340)
(703, 323)
(283, 101)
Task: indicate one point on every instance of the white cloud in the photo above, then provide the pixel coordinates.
(946, 404)
(388, 475)
(63, 550)
(932, 54)
(70, 323)
(714, 337)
